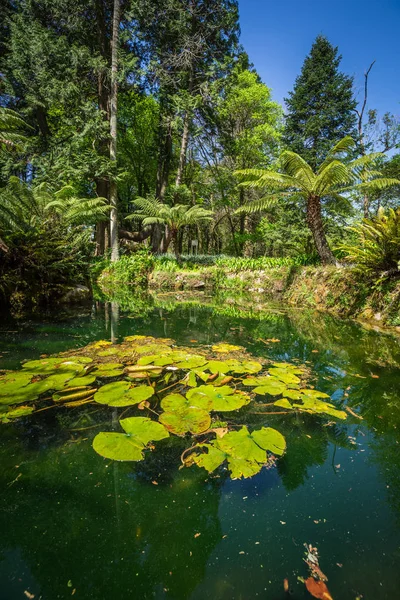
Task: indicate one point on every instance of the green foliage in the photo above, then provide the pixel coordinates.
(376, 251)
(132, 270)
(321, 106)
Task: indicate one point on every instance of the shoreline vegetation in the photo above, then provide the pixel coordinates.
(338, 290)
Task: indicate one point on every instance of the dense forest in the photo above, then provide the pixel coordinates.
(128, 124)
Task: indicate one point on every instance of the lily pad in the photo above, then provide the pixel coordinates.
(273, 387)
(109, 369)
(246, 453)
(186, 420)
(130, 445)
(222, 398)
(15, 413)
(284, 375)
(122, 393)
(226, 348)
(191, 361)
(174, 402)
(81, 380)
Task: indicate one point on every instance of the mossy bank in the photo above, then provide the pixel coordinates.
(339, 290)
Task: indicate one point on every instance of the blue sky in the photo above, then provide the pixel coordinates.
(278, 34)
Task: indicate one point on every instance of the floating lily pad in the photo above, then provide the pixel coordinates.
(15, 413)
(191, 361)
(314, 405)
(284, 375)
(130, 445)
(186, 420)
(246, 453)
(222, 398)
(122, 393)
(174, 402)
(108, 351)
(273, 387)
(109, 369)
(226, 348)
(81, 380)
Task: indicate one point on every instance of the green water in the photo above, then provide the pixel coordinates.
(75, 525)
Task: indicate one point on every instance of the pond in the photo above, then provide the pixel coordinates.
(73, 524)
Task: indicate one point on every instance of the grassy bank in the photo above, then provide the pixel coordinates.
(339, 290)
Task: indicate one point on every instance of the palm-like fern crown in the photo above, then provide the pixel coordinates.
(333, 178)
(22, 207)
(152, 211)
(11, 128)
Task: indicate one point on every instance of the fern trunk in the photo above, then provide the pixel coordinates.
(315, 223)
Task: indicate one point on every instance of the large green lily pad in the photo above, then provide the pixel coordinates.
(123, 393)
(220, 399)
(174, 402)
(139, 431)
(226, 348)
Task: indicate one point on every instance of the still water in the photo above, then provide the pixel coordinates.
(73, 524)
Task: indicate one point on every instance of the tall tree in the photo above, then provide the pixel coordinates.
(333, 178)
(113, 131)
(321, 107)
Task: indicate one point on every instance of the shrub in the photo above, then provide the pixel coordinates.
(132, 270)
(377, 246)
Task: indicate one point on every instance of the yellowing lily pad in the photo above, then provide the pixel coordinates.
(226, 348)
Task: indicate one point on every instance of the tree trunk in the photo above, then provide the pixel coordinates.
(314, 221)
(113, 133)
(103, 94)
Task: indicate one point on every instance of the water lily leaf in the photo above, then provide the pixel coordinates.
(139, 431)
(284, 375)
(272, 387)
(191, 361)
(108, 352)
(283, 403)
(15, 388)
(81, 380)
(174, 402)
(45, 366)
(219, 366)
(99, 344)
(190, 419)
(191, 380)
(122, 393)
(314, 405)
(74, 394)
(144, 429)
(150, 369)
(246, 453)
(118, 446)
(222, 398)
(226, 348)
(270, 439)
(288, 367)
(293, 394)
(15, 413)
(109, 369)
(211, 459)
(156, 359)
(314, 394)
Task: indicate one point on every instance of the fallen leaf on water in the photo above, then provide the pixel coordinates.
(318, 589)
(315, 351)
(375, 376)
(193, 341)
(220, 431)
(28, 595)
(339, 565)
(196, 535)
(337, 466)
(154, 482)
(282, 522)
(286, 585)
(242, 552)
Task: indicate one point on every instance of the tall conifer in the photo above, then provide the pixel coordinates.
(320, 109)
